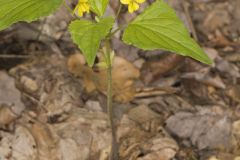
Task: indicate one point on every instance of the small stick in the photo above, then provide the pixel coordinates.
(151, 92)
(15, 56)
(189, 19)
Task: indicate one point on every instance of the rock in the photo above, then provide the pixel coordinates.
(93, 106)
(204, 129)
(9, 97)
(142, 114)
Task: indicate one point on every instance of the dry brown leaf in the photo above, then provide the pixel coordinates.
(29, 84)
(220, 39)
(123, 75)
(205, 78)
(218, 17)
(142, 114)
(153, 70)
(234, 93)
(24, 144)
(137, 142)
(45, 142)
(233, 57)
(228, 68)
(236, 128)
(6, 115)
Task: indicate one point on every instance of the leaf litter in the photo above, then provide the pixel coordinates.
(52, 106)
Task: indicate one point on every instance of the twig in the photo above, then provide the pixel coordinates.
(15, 56)
(189, 19)
(154, 91)
(35, 100)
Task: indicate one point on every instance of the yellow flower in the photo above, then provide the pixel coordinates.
(133, 5)
(82, 7)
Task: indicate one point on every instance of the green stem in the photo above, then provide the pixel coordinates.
(114, 145)
(119, 11)
(116, 30)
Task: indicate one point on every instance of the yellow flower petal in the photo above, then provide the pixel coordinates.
(83, 1)
(85, 7)
(80, 11)
(133, 6)
(126, 1)
(82, 7)
(76, 8)
(140, 1)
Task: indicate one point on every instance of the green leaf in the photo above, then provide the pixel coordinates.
(88, 35)
(158, 27)
(98, 6)
(12, 11)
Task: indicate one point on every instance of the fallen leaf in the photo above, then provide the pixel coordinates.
(218, 17)
(24, 144)
(45, 141)
(234, 93)
(154, 69)
(6, 115)
(205, 78)
(228, 68)
(142, 114)
(139, 143)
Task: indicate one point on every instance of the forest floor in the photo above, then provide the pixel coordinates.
(166, 107)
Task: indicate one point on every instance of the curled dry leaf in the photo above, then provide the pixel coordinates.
(29, 84)
(44, 141)
(205, 78)
(6, 115)
(123, 75)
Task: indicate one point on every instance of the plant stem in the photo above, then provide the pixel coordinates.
(119, 10)
(114, 145)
